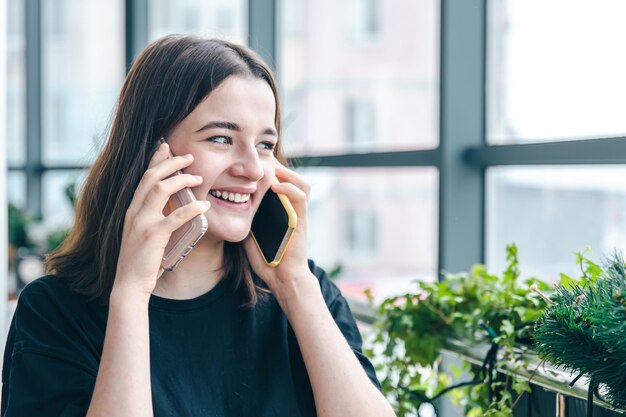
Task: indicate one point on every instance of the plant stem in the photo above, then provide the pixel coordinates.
(532, 375)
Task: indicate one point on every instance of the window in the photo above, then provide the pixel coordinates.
(378, 224)
(16, 84)
(362, 18)
(554, 70)
(76, 108)
(57, 207)
(553, 212)
(362, 234)
(348, 99)
(361, 123)
(554, 76)
(16, 189)
(220, 18)
(320, 71)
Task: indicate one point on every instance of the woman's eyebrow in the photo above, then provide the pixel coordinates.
(232, 126)
(220, 125)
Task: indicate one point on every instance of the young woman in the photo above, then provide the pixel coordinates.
(108, 333)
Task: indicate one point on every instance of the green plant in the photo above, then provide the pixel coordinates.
(583, 328)
(18, 221)
(413, 329)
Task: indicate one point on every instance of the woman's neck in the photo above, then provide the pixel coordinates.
(197, 274)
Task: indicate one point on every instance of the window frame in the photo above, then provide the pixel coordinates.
(462, 156)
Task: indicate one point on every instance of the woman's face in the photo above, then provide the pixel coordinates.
(231, 135)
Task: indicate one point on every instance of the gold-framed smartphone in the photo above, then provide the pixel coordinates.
(272, 226)
(185, 237)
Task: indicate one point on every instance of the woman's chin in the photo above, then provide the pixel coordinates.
(236, 237)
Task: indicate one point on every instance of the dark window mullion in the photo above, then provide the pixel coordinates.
(262, 21)
(136, 29)
(462, 126)
(33, 116)
(579, 152)
(372, 159)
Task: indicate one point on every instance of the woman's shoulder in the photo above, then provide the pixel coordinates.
(46, 289)
(50, 298)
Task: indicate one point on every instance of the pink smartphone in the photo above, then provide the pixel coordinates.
(185, 237)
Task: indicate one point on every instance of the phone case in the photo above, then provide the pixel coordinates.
(185, 237)
(273, 226)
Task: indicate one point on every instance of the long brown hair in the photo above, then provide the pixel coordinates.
(166, 82)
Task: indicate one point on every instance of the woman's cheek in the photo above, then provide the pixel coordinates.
(269, 173)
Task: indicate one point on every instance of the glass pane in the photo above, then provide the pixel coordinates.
(556, 70)
(16, 84)
(83, 70)
(58, 211)
(379, 225)
(362, 78)
(226, 19)
(16, 188)
(553, 212)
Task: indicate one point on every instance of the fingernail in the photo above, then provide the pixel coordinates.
(189, 156)
(197, 177)
(205, 205)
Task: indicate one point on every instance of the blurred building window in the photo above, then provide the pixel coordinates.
(362, 233)
(361, 123)
(226, 19)
(58, 18)
(363, 20)
(554, 70)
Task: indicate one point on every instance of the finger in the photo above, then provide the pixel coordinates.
(285, 174)
(296, 196)
(165, 189)
(157, 173)
(161, 154)
(183, 214)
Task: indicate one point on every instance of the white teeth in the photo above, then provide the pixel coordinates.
(232, 197)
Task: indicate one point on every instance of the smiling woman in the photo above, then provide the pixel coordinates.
(223, 334)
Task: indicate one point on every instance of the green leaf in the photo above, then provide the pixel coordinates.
(567, 281)
(520, 386)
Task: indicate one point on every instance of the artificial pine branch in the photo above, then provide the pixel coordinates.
(584, 329)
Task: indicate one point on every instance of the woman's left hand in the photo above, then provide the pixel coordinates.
(293, 270)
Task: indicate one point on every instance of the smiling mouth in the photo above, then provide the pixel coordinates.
(231, 197)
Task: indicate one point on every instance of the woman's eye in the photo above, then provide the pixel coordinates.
(269, 146)
(221, 140)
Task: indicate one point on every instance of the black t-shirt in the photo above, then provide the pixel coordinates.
(208, 355)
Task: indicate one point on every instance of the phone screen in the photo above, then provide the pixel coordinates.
(270, 227)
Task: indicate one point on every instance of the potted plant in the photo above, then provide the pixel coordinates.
(478, 307)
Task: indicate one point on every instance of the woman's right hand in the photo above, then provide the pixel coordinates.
(146, 230)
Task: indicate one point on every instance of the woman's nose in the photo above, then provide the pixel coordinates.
(248, 164)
